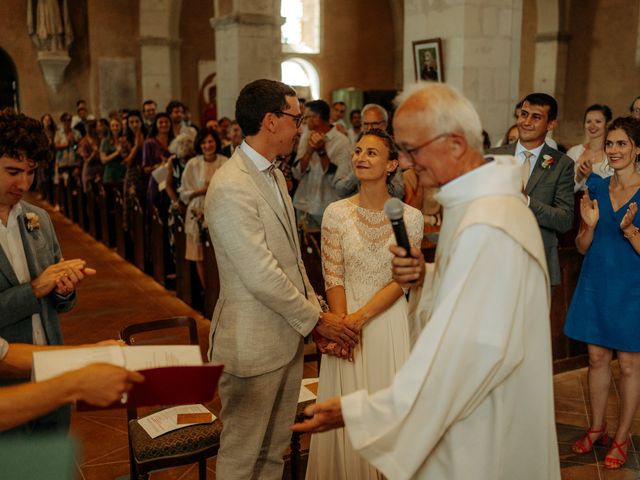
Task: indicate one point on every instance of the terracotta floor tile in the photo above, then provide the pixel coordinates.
(576, 471)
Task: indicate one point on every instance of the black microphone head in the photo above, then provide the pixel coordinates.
(394, 209)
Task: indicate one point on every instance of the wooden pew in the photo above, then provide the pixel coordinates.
(121, 237)
(93, 212)
(136, 227)
(211, 276)
(72, 193)
(106, 209)
(187, 283)
(159, 246)
(81, 204)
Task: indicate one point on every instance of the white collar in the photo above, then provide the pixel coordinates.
(502, 176)
(260, 162)
(16, 210)
(536, 151)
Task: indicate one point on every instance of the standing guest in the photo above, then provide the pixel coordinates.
(355, 117)
(605, 304)
(235, 137)
(135, 180)
(590, 157)
(111, 154)
(321, 152)
(80, 119)
(102, 126)
(511, 136)
(195, 181)
(65, 143)
(175, 111)
(45, 172)
(336, 119)
(36, 283)
(356, 235)
(634, 109)
(475, 397)
(181, 149)
(224, 123)
(266, 305)
(155, 152)
(89, 151)
(547, 174)
(149, 110)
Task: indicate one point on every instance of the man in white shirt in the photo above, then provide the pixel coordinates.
(35, 282)
(475, 397)
(548, 174)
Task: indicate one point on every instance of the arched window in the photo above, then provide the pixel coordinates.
(8, 82)
(301, 30)
(301, 75)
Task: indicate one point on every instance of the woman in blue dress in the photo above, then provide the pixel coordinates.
(606, 304)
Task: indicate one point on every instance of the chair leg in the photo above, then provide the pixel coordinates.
(202, 469)
(295, 456)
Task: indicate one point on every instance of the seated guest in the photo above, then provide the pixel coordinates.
(195, 182)
(321, 152)
(111, 154)
(590, 156)
(36, 283)
(97, 384)
(605, 304)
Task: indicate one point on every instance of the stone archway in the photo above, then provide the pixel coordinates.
(8, 82)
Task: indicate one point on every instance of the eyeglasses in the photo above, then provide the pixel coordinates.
(296, 118)
(411, 152)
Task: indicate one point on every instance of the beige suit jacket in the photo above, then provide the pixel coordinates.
(266, 304)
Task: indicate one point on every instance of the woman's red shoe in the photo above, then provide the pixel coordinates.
(585, 444)
(613, 463)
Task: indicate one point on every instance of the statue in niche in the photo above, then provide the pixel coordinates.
(50, 27)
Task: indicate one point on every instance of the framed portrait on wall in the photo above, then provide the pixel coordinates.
(427, 60)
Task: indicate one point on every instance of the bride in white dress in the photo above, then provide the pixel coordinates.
(356, 262)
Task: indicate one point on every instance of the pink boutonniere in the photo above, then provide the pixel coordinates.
(547, 161)
(31, 222)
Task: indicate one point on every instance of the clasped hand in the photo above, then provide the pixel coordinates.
(61, 277)
(337, 335)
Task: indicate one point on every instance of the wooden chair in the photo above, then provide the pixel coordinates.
(183, 446)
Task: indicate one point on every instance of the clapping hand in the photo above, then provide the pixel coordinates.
(585, 165)
(627, 220)
(589, 210)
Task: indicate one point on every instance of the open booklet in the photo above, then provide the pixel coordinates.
(48, 364)
(174, 418)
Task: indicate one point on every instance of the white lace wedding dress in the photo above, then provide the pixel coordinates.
(355, 254)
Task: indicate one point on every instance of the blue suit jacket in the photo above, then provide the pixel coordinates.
(18, 302)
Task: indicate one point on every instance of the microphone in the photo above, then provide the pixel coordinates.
(394, 209)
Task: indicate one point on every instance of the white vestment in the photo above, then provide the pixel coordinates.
(475, 398)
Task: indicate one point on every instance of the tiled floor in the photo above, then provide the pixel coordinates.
(120, 294)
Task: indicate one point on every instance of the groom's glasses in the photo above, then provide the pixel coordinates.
(296, 118)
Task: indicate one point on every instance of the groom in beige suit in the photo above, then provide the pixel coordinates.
(266, 305)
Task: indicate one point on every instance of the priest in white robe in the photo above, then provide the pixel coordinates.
(475, 398)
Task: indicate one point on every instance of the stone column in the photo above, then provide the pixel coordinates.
(160, 50)
(247, 46)
(481, 51)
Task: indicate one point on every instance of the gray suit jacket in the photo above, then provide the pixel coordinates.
(18, 303)
(551, 199)
(266, 304)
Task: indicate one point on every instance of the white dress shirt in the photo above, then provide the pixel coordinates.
(264, 166)
(11, 243)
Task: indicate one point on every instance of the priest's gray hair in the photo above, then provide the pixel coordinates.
(446, 110)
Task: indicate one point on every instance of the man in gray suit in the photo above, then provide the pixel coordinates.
(266, 305)
(35, 282)
(548, 174)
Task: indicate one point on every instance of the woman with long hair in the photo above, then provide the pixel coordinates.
(89, 151)
(111, 154)
(605, 304)
(356, 235)
(155, 151)
(590, 156)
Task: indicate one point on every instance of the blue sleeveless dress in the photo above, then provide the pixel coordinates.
(605, 309)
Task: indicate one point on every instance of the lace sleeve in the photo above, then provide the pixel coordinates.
(415, 226)
(332, 259)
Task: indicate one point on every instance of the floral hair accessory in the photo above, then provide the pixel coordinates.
(547, 161)
(31, 221)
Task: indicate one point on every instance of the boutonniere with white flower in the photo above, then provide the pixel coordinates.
(31, 221)
(547, 161)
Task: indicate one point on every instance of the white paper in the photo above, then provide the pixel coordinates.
(166, 420)
(305, 393)
(50, 363)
